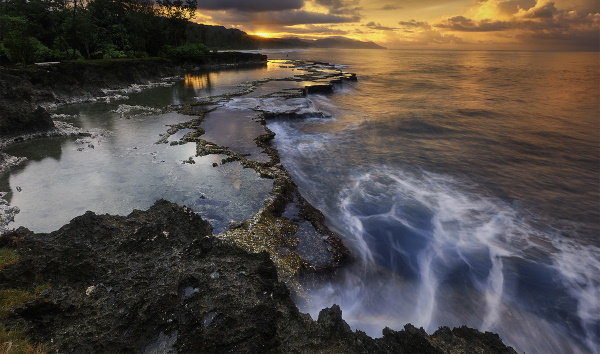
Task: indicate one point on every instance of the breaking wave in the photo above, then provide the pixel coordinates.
(433, 255)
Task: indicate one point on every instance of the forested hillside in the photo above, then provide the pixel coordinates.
(46, 30)
(55, 30)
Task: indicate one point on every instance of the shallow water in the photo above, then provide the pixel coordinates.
(132, 160)
(125, 169)
(468, 185)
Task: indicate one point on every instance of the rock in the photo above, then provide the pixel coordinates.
(18, 118)
(158, 281)
(318, 89)
(24, 91)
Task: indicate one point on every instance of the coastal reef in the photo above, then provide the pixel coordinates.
(234, 124)
(26, 92)
(167, 280)
(157, 281)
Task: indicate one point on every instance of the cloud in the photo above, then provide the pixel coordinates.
(536, 23)
(426, 37)
(511, 7)
(389, 7)
(412, 25)
(341, 7)
(463, 24)
(250, 6)
(379, 27)
(547, 10)
(436, 37)
(314, 29)
(299, 17)
(269, 19)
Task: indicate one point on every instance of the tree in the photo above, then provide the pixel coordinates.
(178, 13)
(17, 45)
(178, 9)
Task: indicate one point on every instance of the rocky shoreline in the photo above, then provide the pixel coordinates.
(25, 92)
(188, 291)
(157, 281)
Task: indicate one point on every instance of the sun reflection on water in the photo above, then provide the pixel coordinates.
(198, 82)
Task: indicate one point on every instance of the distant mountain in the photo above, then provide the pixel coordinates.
(280, 43)
(331, 42)
(343, 42)
(220, 37)
(230, 38)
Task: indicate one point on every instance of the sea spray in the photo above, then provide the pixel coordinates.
(434, 255)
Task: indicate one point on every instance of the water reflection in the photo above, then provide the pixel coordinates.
(52, 149)
(126, 169)
(198, 81)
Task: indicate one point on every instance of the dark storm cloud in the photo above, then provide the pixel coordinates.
(250, 6)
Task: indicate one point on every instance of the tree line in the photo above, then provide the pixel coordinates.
(54, 30)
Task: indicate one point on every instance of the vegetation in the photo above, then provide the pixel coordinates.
(9, 298)
(14, 340)
(8, 256)
(54, 30)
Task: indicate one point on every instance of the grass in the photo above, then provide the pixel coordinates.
(9, 298)
(8, 256)
(14, 341)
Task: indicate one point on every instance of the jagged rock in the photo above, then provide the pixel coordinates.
(157, 281)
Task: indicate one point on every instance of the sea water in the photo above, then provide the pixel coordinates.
(466, 184)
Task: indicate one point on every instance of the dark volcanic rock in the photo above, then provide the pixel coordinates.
(20, 119)
(156, 281)
(18, 114)
(23, 90)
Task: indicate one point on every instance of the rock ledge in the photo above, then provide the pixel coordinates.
(156, 281)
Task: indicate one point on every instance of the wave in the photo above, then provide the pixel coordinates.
(433, 255)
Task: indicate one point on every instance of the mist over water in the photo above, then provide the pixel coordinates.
(466, 184)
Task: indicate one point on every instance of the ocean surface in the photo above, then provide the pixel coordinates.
(466, 184)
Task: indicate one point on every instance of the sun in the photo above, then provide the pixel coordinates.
(262, 34)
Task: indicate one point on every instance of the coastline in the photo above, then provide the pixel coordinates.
(26, 93)
(267, 231)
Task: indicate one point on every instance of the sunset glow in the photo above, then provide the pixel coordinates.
(263, 34)
(451, 24)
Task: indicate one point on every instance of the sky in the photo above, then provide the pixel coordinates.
(435, 24)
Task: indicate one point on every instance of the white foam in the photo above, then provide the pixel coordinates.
(298, 106)
(442, 233)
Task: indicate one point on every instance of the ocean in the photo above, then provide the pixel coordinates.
(466, 184)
